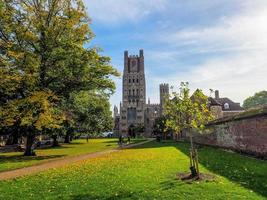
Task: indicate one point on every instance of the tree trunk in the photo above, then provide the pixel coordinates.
(193, 160)
(29, 151)
(15, 136)
(67, 137)
(55, 142)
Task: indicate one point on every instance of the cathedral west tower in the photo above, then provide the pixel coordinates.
(133, 93)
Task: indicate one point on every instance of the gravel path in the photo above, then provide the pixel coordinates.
(60, 162)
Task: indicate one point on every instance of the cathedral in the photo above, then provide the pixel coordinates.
(135, 116)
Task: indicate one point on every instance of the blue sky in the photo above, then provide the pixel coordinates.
(218, 44)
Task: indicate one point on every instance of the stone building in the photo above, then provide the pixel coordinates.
(135, 116)
(135, 113)
(224, 107)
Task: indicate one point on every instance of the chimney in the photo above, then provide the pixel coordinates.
(217, 94)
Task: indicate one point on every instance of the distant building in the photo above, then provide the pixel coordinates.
(224, 107)
(135, 114)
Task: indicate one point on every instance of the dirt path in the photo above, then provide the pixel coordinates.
(60, 162)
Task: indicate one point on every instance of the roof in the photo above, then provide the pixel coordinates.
(232, 105)
(213, 102)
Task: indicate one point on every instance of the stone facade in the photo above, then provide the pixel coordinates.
(134, 111)
(135, 114)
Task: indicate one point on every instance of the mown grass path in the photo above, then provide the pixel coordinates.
(60, 162)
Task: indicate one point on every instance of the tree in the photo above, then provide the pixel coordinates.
(259, 99)
(160, 126)
(188, 113)
(92, 112)
(35, 113)
(43, 60)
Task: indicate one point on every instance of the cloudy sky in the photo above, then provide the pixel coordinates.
(217, 44)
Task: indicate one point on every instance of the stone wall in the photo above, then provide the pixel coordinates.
(245, 132)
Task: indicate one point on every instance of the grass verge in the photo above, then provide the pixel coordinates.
(146, 172)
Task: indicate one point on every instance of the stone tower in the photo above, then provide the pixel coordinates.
(133, 93)
(164, 93)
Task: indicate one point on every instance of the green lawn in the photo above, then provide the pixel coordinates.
(77, 147)
(146, 172)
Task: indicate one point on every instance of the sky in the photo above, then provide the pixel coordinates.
(212, 44)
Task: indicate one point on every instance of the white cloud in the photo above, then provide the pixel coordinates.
(238, 44)
(239, 68)
(246, 31)
(117, 11)
(238, 77)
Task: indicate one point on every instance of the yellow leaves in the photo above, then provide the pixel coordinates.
(9, 81)
(42, 113)
(15, 54)
(36, 110)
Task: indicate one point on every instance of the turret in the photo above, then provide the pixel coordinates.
(115, 111)
(141, 53)
(164, 93)
(126, 61)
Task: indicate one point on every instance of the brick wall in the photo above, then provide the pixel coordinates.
(246, 133)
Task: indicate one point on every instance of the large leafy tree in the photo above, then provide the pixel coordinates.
(258, 99)
(92, 112)
(43, 60)
(189, 113)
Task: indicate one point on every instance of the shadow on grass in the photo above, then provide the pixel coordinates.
(119, 195)
(111, 141)
(248, 172)
(59, 147)
(21, 158)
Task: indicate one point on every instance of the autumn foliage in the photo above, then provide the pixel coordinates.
(44, 61)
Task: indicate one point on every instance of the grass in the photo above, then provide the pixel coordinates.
(146, 172)
(16, 160)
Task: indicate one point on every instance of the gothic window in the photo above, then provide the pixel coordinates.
(129, 92)
(129, 80)
(133, 92)
(137, 80)
(133, 80)
(131, 114)
(137, 92)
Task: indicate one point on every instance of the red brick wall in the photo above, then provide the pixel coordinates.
(243, 135)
